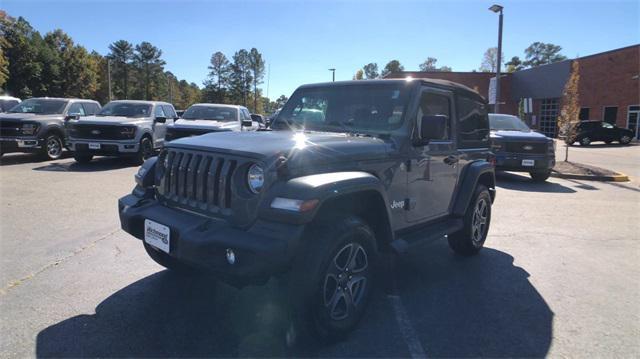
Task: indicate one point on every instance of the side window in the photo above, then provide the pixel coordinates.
(473, 123)
(435, 104)
(90, 108)
(310, 109)
(76, 109)
(158, 112)
(607, 125)
(169, 111)
(245, 114)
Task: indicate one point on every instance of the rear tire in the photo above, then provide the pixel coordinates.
(82, 159)
(169, 262)
(53, 147)
(625, 140)
(331, 280)
(470, 239)
(585, 141)
(540, 176)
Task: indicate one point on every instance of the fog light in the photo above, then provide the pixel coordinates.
(231, 257)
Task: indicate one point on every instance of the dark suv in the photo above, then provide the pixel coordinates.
(518, 148)
(351, 173)
(37, 125)
(592, 131)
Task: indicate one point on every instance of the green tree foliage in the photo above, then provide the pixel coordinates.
(121, 56)
(540, 53)
(392, 66)
(280, 101)
(4, 62)
(515, 64)
(430, 65)
(22, 54)
(359, 75)
(490, 60)
(241, 77)
(217, 82)
(371, 71)
(256, 65)
(149, 65)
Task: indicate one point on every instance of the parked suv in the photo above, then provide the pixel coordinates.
(518, 148)
(7, 103)
(203, 118)
(36, 125)
(352, 172)
(134, 129)
(591, 131)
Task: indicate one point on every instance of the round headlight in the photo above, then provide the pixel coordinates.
(255, 178)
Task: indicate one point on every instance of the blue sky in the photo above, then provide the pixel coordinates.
(301, 40)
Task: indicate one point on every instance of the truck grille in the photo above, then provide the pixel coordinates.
(527, 147)
(196, 180)
(10, 128)
(174, 133)
(99, 132)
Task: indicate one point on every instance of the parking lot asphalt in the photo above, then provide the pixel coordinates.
(559, 276)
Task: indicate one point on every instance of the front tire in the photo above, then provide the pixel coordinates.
(470, 239)
(540, 176)
(585, 141)
(331, 280)
(53, 147)
(145, 151)
(625, 140)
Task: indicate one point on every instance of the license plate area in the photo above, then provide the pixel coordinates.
(157, 235)
(528, 163)
(94, 146)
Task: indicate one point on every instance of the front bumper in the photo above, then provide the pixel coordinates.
(20, 144)
(514, 162)
(107, 148)
(264, 249)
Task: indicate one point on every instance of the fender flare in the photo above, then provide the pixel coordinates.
(469, 180)
(322, 187)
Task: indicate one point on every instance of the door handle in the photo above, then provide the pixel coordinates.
(451, 160)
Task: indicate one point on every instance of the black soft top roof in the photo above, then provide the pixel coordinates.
(456, 87)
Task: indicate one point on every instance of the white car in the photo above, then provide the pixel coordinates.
(203, 118)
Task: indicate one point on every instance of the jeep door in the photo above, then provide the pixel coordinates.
(432, 167)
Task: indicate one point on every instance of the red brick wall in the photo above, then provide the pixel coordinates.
(610, 79)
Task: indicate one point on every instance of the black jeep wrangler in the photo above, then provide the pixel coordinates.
(350, 173)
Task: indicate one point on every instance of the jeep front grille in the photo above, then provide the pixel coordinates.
(196, 180)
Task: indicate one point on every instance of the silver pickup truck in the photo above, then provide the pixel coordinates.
(202, 118)
(125, 128)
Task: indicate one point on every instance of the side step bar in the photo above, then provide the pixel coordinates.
(426, 235)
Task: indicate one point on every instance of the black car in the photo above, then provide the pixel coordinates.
(592, 131)
(351, 174)
(518, 148)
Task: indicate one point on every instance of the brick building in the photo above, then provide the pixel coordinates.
(609, 88)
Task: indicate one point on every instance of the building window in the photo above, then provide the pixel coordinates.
(584, 114)
(548, 116)
(632, 119)
(610, 114)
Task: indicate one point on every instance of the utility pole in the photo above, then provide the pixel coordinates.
(109, 76)
(498, 9)
(333, 73)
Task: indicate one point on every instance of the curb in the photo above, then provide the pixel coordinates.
(620, 177)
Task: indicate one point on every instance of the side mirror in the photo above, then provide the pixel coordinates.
(433, 127)
(247, 123)
(161, 119)
(72, 116)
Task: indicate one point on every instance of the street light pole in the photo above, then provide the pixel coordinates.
(109, 76)
(333, 73)
(498, 9)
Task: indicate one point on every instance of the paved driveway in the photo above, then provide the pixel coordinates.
(625, 159)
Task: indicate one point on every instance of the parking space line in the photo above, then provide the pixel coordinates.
(406, 328)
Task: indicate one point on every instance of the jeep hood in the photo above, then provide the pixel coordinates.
(518, 136)
(109, 120)
(298, 147)
(206, 125)
(29, 117)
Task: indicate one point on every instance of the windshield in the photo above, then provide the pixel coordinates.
(125, 109)
(214, 113)
(507, 123)
(40, 106)
(353, 108)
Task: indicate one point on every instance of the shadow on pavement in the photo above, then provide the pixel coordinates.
(96, 165)
(22, 158)
(520, 182)
(480, 306)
